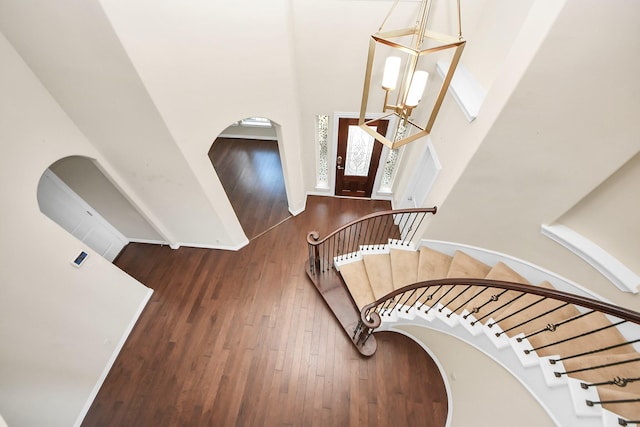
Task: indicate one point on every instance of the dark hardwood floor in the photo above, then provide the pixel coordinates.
(244, 339)
(251, 174)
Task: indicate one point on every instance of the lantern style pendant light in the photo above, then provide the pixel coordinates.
(409, 48)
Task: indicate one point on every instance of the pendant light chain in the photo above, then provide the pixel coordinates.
(389, 14)
(459, 22)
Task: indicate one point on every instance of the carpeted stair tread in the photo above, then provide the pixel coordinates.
(432, 264)
(404, 267)
(520, 303)
(500, 271)
(466, 266)
(605, 338)
(626, 370)
(628, 411)
(379, 274)
(355, 277)
(378, 268)
(462, 266)
(533, 324)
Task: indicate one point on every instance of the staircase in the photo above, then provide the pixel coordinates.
(579, 345)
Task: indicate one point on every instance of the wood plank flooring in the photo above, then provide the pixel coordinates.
(251, 174)
(244, 339)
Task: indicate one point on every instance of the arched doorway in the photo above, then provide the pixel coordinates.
(247, 159)
(76, 194)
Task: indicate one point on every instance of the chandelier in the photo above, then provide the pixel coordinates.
(411, 51)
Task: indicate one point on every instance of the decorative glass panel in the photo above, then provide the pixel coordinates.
(359, 150)
(322, 126)
(392, 157)
(389, 167)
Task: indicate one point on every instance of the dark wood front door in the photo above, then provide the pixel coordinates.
(358, 158)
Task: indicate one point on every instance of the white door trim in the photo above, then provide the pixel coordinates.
(331, 164)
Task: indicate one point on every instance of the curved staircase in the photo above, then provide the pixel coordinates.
(561, 341)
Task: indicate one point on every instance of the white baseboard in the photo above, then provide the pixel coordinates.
(321, 192)
(206, 246)
(150, 241)
(112, 359)
(296, 212)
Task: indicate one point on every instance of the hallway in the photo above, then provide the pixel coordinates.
(251, 174)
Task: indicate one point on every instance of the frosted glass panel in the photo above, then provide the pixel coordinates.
(322, 127)
(359, 149)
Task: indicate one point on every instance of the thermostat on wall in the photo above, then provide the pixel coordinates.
(80, 259)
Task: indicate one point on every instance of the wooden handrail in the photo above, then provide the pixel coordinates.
(371, 233)
(370, 230)
(622, 313)
(312, 237)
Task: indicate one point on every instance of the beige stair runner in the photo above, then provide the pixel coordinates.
(605, 338)
(462, 266)
(502, 272)
(611, 392)
(405, 267)
(629, 412)
(510, 317)
(379, 274)
(432, 264)
(355, 277)
(628, 370)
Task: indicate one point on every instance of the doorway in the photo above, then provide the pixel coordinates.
(424, 176)
(57, 201)
(357, 158)
(76, 194)
(246, 158)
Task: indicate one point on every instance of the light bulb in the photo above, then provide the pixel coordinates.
(391, 71)
(418, 84)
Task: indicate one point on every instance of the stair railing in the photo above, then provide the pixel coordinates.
(373, 231)
(483, 297)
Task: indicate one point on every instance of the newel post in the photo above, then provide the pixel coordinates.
(314, 252)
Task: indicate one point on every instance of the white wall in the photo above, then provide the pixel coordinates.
(569, 123)
(491, 27)
(606, 215)
(79, 59)
(223, 64)
(454, 138)
(483, 392)
(59, 325)
(87, 181)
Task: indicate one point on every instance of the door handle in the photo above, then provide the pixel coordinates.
(339, 162)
